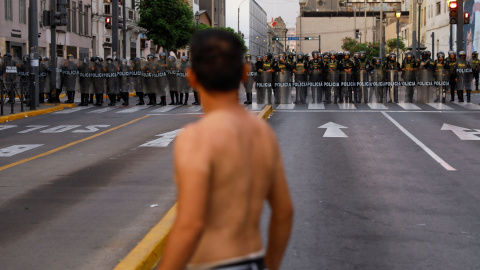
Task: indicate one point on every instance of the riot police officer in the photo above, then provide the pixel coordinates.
(98, 80)
(136, 80)
(266, 76)
(124, 73)
(300, 69)
(333, 68)
(474, 63)
(377, 78)
(425, 74)
(282, 78)
(392, 67)
(162, 82)
(111, 81)
(42, 79)
(24, 73)
(172, 80)
(409, 66)
(362, 68)
(441, 76)
(10, 70)
(464, 76)
(70, 74)
(150, 76)
(315, 69)
(248, 84)
(452, 64)
(182, 83)
(84, 74)
(347, 74)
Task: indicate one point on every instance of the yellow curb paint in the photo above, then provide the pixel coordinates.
(149, 251)
(8, 118)
(68, 145)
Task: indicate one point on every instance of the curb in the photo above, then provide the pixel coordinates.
(149, 251)
(8, 118)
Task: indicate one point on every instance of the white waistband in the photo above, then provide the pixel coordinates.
(206, 266)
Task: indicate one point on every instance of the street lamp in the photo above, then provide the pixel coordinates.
(418, 34)
(360, 36)
(197, 18)
(238, 29)
(398, 13)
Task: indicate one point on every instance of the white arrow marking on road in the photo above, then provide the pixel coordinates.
(3, 127)
(333, 130)
(164, 141)
(462, 132)
(17, 149)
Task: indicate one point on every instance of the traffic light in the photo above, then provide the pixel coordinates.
(108, 22)
(275, 38)
(61, 14)
(308, 38)
(357, 31)
(466, 18)
(453, 5)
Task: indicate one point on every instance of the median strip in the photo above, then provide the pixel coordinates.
(150, 250)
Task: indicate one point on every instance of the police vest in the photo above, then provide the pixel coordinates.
(475, 64)
(409, 65)
(282, 66)
(440, 65)
(316, 64)
(452, 65)
(332, 65)
(267, 65)
(300, 66)
(362, 64)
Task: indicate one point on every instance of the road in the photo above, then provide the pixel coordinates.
(373, 187)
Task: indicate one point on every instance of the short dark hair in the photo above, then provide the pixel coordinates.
(217, 60)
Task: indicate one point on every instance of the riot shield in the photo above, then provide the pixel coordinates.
(162, 82)
(42, 77)
(332, 85)
(10, 79)
(151, 78)
(464, 77)
(123, 76)
(343, 89)
(264, 84)
(172, 76)
(84, 77)
(424, 85)
(283, 87)
(59, 78)
(24, 76)
(98, 78)
(441, 84)
(248, 84)
(136, 76)
(392, 86)
(409, 83)
(376, 92)
(145, 74)
(361, 91)
(300, 87)
(315, 80)
(182, 84)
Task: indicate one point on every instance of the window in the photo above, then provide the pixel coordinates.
(8, 10)
(107, 9)
(74, 17)
(68, 17)
(22, 8)
(80, 19)
(86, 32)
(439, 8)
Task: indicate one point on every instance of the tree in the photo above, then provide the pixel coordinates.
(392, 45)
(371, 49)
(169, 23)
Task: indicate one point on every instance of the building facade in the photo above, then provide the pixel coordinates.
(75, 38)
(257, 30)
(215, 9)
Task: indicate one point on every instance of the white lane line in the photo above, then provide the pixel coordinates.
(17, 149)
(316, 106)
(419, 143)
(440, 106)
(347, 106)
(71, 110)
(165, 109)
(470, 106)
(377, 106)
(103, 110)
(285, 107)
(409, 106)
(134, 109)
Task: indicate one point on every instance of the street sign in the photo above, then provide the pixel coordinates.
(333, 130)
(464, 134)
(293, 38)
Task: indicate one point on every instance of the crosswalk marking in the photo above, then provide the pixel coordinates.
(67, 111)
(103, 110)
(470, 106)
(377, 106)
(286, 107)
(409, 106)
(440, 106)
(195, 108)
(347, 106)
(134, 109)
(165, 109)
(316, 106)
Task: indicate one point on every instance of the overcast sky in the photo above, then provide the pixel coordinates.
(287, 9)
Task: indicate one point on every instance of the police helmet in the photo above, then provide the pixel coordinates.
(248, 57)
(345, 53)
(475, 54)
(363, 54)
(326, 56)
(26, 58)
(429, 54)
(377, 60)
(300, 56)
(185, 58)
(452, 53)
(275, 58)
(392, 57)
(163, 55)
(101, 59)
(334, 53)
(409, 54)
(109, 59)
(356, 55)
(269, 56)
(46, 59)
(462, 54)
(172, 58)
(440, 54)
(259, 58)
(150, 57)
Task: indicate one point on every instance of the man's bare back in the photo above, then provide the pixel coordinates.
(226, 166)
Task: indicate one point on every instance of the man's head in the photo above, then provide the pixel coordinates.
(217, 61)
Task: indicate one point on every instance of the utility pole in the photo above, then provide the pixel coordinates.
(58, 17)
(124, 11)
(460, 26)
(34, 62)
(382, 53)
(414, 28)
(365, 14)
(114, 28)
(433, 44)
(320, 43)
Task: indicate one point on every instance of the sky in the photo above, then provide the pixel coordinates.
(287, 9)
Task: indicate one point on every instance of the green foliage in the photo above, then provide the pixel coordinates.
(169, 23)
(371, 49)
(392, 45)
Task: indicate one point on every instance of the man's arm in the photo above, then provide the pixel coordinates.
(282, 216)
(191, 163)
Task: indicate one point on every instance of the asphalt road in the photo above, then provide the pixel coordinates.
(80, 188)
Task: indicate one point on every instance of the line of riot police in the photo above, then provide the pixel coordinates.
(93, 78)
(336, 77)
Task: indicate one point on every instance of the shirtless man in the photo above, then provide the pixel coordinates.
(226, 166)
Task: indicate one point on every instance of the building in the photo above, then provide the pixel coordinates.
(291, 44)
(257, 29)
(215, 9)
(75, 38)
(276, 33)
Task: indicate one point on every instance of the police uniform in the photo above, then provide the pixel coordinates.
(315, 72)
(452, 66)
(441, 72)
(267, 68)
(300, 68)
(98, 80)
(332, 68)
(347, 72)
(408, 73)
(392, 67)
(362, 68)
(474, 63)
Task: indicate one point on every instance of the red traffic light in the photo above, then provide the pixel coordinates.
(466, 18)
(452, 4)
(108, 22)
